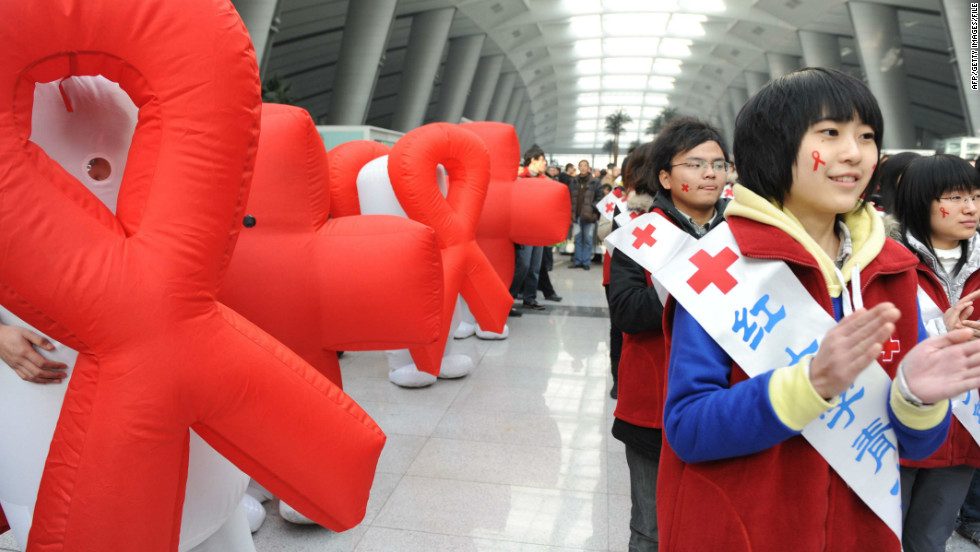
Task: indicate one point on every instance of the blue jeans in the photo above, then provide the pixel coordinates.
(970, 512)
(527, 268)
(583, 243)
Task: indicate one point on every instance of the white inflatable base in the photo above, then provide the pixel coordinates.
(465, 329)
(254, 512)
(409, 376)
(292, 516)
(492, 336)
(455, 366)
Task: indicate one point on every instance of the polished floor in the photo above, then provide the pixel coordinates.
(515, 457)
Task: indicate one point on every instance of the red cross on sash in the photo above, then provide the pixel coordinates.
(713, 270)
(644, 236)
(889, 349)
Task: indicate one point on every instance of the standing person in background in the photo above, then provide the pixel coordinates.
(568, 178)
(938, 208)
(548, 256)
(584, 191)
(527, 262)
(681, 176)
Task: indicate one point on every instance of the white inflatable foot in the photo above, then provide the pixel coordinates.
(455, 366)
(491, 336)
(465, 329)
(254, 512)
(292, 516)
(410, 376)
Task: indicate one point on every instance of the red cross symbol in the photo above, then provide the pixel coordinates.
(644, 236)
(729, 192)
(635, 214)
(713, 270)
(685, 188)
(889, 348)
(610, 207)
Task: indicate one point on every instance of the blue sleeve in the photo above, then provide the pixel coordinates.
(923, 335)
(706, 418)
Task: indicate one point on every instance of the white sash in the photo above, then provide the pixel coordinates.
(966, 407)
(607, 205)
(764, 318)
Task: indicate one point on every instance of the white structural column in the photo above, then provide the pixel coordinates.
(514, 105)
(361, 47)
(426, 41)
(755, 81)
(781, 64)
(501, 96)
(738, 97)
(820, 49)
(879, 43)
(958, 21)
(520, 121)
(484, 83)
(457, 77)
(261, 20)
(727, 121)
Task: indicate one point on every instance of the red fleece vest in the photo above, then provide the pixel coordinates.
(959, 448)
(786, 497)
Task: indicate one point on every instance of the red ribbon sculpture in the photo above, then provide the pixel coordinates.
(321, 286)
(135, 294)
(528, 211)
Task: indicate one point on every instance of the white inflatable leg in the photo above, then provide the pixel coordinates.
(467, 325)
(254, 512)
(403, 372)
(233, 536)
(289, 514)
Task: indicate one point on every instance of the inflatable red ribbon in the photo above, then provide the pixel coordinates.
(322, 285)
(136, 295)
(527, 211)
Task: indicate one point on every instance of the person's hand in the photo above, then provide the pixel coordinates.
(943, 367)
(849, 347)
(17, 350)
(956, 317)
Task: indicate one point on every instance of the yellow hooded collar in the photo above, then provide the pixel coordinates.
(864, 224)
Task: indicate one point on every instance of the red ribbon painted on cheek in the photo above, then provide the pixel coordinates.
(816, 160)
(944, 212)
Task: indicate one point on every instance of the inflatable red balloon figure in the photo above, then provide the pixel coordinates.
(411, 173)
(135, 293)
(526, 211)
(321, 286)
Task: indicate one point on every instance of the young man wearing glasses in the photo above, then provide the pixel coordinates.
(680, 175)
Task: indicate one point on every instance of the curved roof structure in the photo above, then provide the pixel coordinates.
(576, 61)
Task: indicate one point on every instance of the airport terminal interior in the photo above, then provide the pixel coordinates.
(518, 455)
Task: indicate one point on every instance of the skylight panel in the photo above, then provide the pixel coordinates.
(666, 66)
(587, 113)
(632, 46)
(627, 65)
(658, 82)
(686, 24)
(584, 138)
(635, 24)
(636, 82)
(675, 47)
(588, 83)
(583, 6)
(588, 66)
(644, 5)
(589, 48)
(586, 26)
(587, 124)
(657, 100)
(702, 6)
(587, 99)
(651, 112)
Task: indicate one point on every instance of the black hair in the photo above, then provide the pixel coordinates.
(610, 166)
(532, 153)
(770, 126)
(602, 173)
(925, 180)
(569, 166)
(681, 134)
(888, 174)
(639, 174)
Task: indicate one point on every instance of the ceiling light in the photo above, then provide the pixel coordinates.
(630, 46)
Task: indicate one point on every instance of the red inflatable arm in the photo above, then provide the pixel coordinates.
(320, 286)
(412, 171)
(136, 295)
(345, 161)
(529, 211)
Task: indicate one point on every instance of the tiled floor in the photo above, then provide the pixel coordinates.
(515, 457)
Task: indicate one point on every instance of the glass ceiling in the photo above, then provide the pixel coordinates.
(627, 54)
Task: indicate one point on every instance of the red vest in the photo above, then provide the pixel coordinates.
(959, 448)
(786, 497)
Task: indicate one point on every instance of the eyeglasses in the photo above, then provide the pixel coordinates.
(701, 164)
(959, 200)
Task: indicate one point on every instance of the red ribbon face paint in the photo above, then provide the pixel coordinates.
(944, 212)
(816, 160)
(685, 188)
